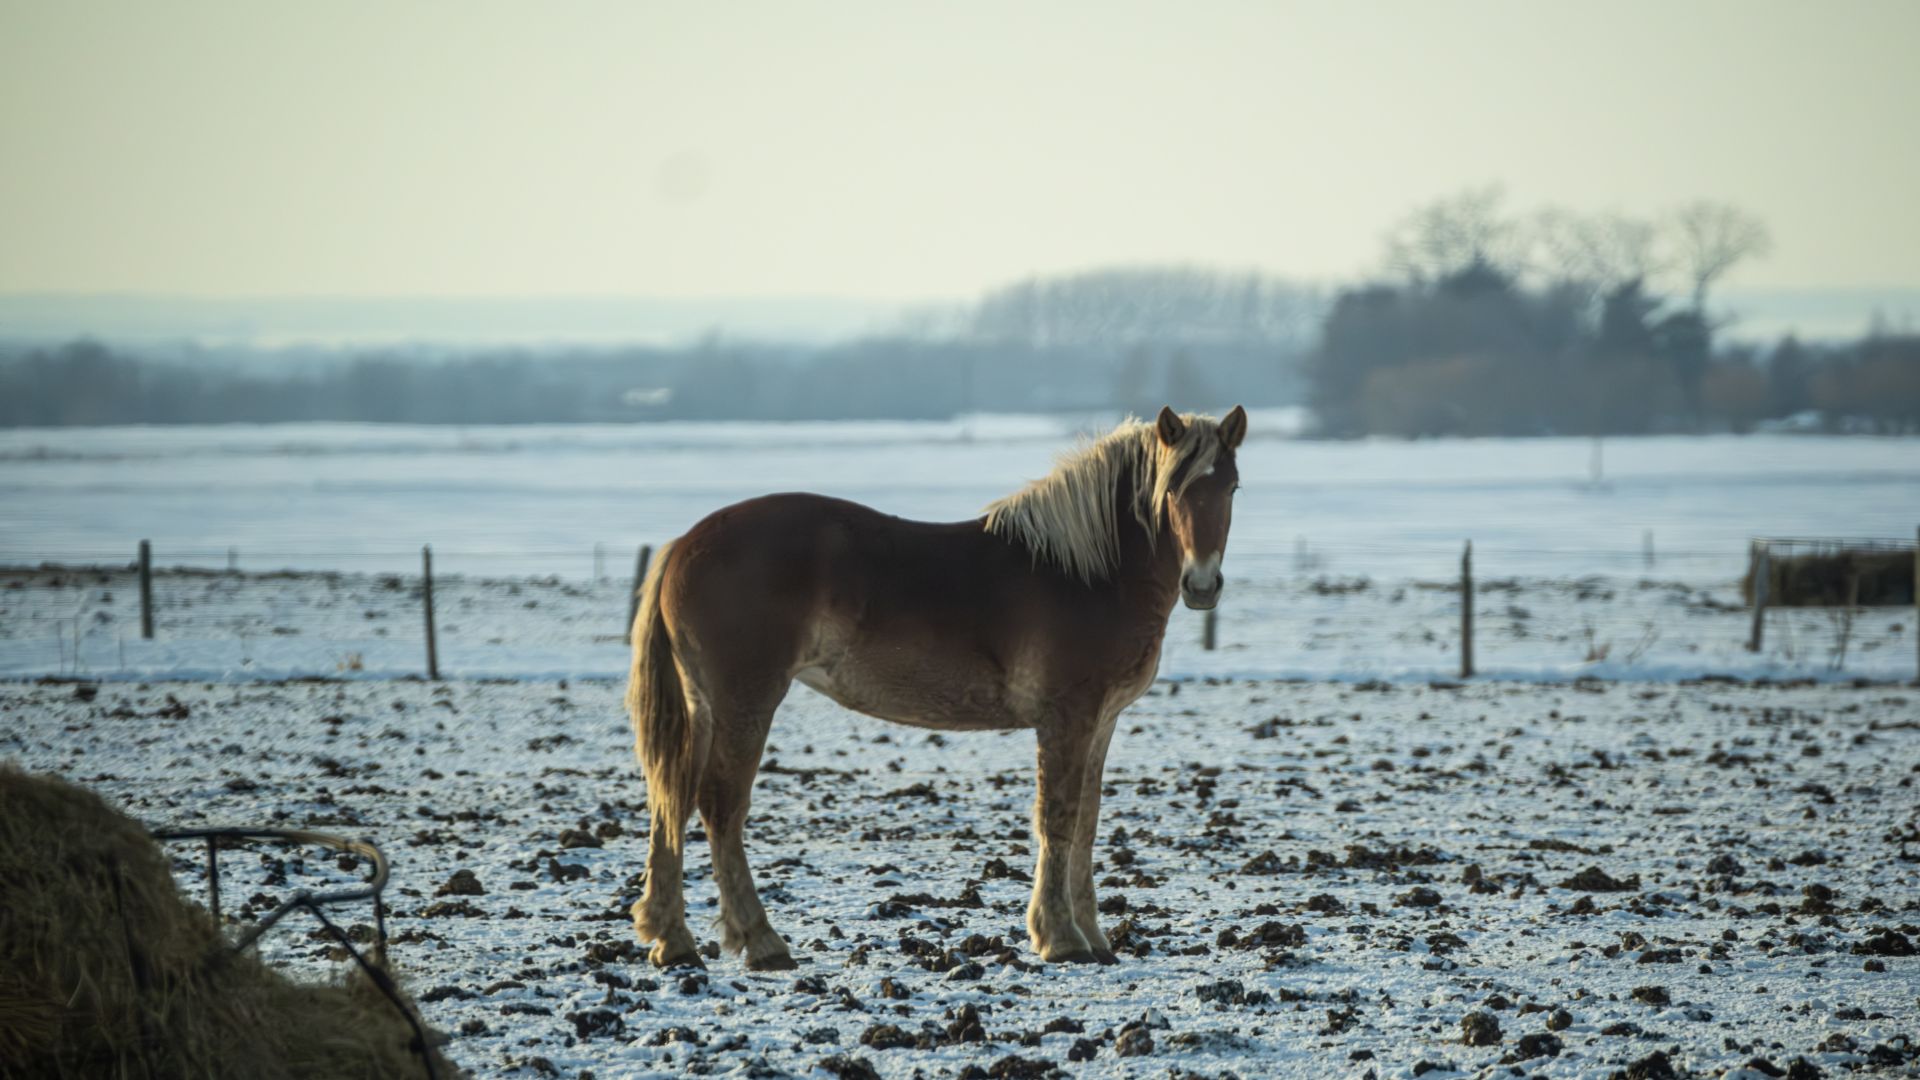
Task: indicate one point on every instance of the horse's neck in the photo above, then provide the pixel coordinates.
(1149, 564)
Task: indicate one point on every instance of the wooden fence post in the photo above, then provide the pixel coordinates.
(599, 563)
(1207, 631)
(426, 599)
(1466, 612)
(146, 590)
(633, 600)
(1646, 547)
(1759, 570)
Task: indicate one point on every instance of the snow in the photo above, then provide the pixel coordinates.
(1589, 739)
(1803, 787)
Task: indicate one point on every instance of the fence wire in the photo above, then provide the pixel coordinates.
(79, 612)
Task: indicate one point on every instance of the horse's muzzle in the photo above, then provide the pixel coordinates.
(1202, 599)
(1201, 582)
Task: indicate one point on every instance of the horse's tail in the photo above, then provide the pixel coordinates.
(663, 729)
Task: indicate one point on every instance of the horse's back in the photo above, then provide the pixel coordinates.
(902, 619)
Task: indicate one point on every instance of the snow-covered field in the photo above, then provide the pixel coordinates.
(1338, 567)
(1305, 879)
(535, 500)
(1319, 853)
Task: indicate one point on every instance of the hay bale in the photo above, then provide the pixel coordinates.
(106, 971)
(1824, 579)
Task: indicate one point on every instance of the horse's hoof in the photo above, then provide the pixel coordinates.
(661, 959)
(1084, 956)
(1105, 956)
(777, 962)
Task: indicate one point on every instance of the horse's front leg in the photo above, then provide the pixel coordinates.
(1051, 925)
(1086, 913)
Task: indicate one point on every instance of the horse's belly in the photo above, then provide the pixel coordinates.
(948, 696)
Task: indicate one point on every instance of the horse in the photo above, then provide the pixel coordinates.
(1047, 612)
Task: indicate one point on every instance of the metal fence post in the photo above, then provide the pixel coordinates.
(1466, 612)
(1759, 571)
(146, 590)
(633, 599)
(426, 598)
(1207, 630)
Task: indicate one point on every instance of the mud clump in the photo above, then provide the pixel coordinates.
(1654, 1066)
(1725, 866)
(1480, 1029)
(1537, 1044)
(1015, 1067)
(1594, 879)
(462, 883)
(1135, 1042)
(1887, 942)
(848, 1067)
(887, 1037)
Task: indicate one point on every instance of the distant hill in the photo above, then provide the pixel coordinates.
(578, 320)
(1759, 315)
(1764, 315)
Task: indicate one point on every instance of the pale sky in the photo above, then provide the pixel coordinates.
(913, 150)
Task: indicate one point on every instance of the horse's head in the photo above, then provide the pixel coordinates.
(1200, 507)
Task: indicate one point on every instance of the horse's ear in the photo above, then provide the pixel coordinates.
(1233, 428)
(1170, 426)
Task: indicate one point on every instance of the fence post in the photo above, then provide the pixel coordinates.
(146, 590)
(599, 563)
(1759, 571)
(633, 600)
(1466, 612)
(1206, 633)
(426, 599)
(1646, 547)
(233, 559)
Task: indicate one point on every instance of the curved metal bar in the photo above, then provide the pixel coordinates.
(369, 890)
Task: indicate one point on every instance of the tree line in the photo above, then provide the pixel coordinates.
(1484, 322)
(1490, 322)
(1129, 339)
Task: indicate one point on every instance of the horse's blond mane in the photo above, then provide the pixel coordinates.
(1069, 519)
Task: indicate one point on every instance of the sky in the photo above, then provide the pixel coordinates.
(906, 150)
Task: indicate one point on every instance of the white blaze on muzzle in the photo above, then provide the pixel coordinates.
(1201, 574)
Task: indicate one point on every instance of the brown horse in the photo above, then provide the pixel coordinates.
(1047, 613)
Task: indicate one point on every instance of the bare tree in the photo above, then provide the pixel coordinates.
(1712, 238)
(1597, 252)
(1457, 233)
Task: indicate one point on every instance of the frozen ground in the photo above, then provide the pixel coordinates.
(1306, 879)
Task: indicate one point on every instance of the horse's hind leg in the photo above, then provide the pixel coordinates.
(1086, 914)
(726, 791)
(660, 915)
